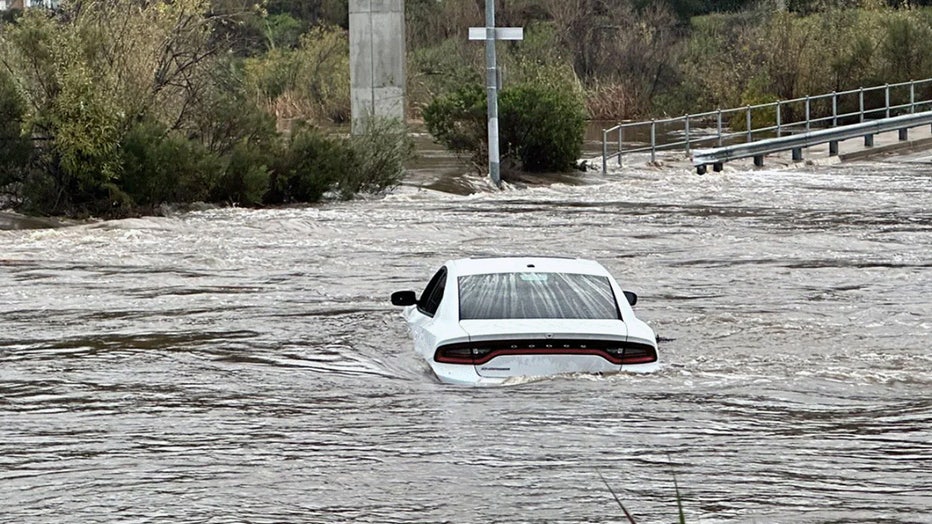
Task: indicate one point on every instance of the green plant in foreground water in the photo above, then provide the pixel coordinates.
(679, 500)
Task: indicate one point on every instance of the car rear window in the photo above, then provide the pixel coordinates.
(536, 295)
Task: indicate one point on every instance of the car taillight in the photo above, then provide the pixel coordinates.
(477, 353)
(632, 353)
(457, 354)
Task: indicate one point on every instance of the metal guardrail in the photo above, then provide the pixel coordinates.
(799, 115)
(717, 156)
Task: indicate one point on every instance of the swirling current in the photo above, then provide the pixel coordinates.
(238, 365)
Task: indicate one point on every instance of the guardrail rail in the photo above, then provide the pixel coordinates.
(781, 118)
(795, 143)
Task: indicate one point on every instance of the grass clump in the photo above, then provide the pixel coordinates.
(679, 500)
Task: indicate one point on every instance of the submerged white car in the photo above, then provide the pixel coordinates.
(487, 320)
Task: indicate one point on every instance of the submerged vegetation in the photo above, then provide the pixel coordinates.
(117, 107)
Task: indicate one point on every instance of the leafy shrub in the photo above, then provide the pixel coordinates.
(87, 129)
(284, 30)
(313, 164)
(89, 72)
(323, 55)
(458, 121)
(788, 55)
(380, 154)
(162, 166)
(714, 65)
(245, 180)
(540, 126)
(40, 195)
(310, 165)
(14, 148)
(224, 118)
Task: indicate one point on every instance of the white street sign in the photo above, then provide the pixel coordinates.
(501, 33)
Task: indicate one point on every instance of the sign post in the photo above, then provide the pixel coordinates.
(490, 34)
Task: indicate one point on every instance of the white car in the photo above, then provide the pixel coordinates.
(487, 320)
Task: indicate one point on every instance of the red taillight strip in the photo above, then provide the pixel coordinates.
(544, 351)
(633, 353)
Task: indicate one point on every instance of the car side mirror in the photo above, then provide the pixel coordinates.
(404, 298)
(632, 297)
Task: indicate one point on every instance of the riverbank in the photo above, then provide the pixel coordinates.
(437, 170)
(10, 221)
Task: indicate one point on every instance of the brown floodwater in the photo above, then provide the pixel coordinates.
(238, 365)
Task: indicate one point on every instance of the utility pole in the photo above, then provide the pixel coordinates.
(490, 34)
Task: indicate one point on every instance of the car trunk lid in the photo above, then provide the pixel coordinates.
(540, 347)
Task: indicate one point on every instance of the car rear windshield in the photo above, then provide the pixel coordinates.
(536, 295)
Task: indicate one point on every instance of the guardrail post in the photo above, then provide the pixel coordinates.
(833, 148)
(686, 130)
(834, 109)
(797, 154)
(903, 134)
(604, 151)
(861, 103)
(887, 98)
(621, 131)
(779, 131)
(719, 127)
(748, 121)
(653, 141)
(869, 140)
(807, 113)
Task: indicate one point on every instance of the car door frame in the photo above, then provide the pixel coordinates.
(422, 316)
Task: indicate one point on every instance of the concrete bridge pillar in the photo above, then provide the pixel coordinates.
(377, 60)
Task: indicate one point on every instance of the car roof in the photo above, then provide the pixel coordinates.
(546, 264)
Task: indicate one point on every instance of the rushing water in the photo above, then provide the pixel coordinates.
(238, 365)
